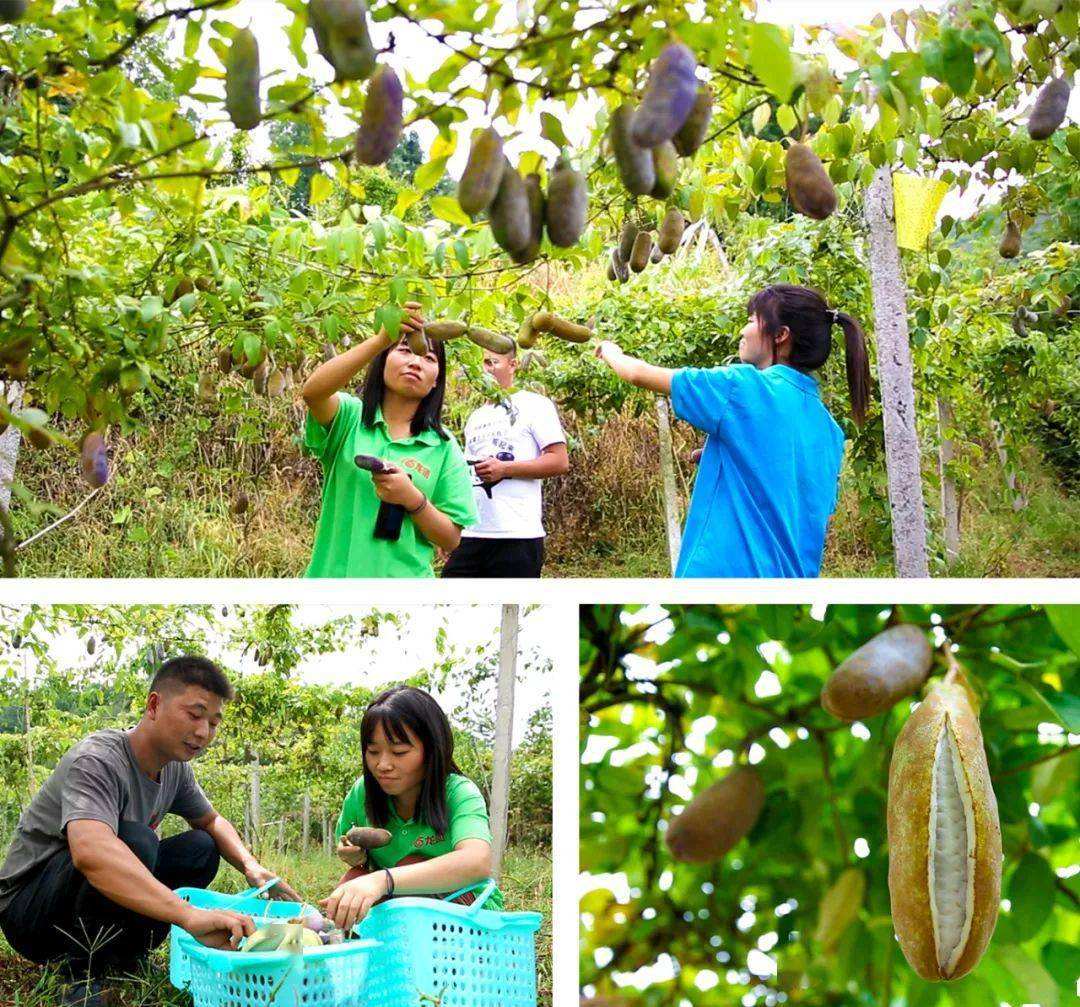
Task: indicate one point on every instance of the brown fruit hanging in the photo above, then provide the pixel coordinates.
(1010, 242)
(717, 818)
(1049, 110)
(872, 679)
(809, 187)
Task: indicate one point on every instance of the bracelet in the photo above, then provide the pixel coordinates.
(389, 883)
(422, 505)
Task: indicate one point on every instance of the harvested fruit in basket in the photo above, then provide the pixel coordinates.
(290, 936)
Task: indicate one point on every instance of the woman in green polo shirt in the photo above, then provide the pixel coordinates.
(436, 817)
(398, 419)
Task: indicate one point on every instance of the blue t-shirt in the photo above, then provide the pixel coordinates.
(767, 481)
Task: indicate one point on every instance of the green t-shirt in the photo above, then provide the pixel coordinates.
(465, 810)
(344, 545)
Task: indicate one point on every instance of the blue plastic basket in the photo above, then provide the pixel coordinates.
(333, 976)
(455, 956)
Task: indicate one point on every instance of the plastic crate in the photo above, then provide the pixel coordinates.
(333, 976)
(432, 951)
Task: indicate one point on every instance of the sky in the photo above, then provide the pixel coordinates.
(396, 654)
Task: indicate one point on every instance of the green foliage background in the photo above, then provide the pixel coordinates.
(673, 695)
(116, 184)
(305, 736)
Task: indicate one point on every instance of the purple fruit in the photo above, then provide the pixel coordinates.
(95, 460)
(669, 96)
(381, 123)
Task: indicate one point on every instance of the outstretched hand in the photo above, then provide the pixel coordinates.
(349, 903)
(218, 928)
(258, 875)
(608, 351)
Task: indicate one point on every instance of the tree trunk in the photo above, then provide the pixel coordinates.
(950, 504)
(305, 823)
(256, 801)
(896, 379)
(1016, 489)
(667, 473)
(327, 848)
(504, 726)
(9, 445)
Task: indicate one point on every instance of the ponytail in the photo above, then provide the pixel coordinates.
(809, 319)
(857, 363)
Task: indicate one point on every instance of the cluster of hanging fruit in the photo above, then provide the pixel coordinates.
(637, 247)
(669, 122)
(344, 39)
(1047, 114)
(518, 210)
(532, 328)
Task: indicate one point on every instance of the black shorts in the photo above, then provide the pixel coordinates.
(496, 557)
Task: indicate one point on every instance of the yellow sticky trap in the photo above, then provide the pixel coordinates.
(916, 201)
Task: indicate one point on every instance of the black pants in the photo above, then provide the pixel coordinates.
(58, 916)
(496, 557)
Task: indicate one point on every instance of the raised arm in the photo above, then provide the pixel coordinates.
(637, 372)
(321, 388)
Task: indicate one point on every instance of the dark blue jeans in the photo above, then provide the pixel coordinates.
(58, 916)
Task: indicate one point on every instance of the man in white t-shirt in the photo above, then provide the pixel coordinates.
(511, 446)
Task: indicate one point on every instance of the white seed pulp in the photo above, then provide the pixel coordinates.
(952, 853)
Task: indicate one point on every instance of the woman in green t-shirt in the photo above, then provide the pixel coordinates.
(437, 820)
(397, 419)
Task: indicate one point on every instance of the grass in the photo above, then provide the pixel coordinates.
(167, 511)
(526, 885)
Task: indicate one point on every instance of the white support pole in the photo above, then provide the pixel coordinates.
(896, 379)
(667, 474)
(504, 724)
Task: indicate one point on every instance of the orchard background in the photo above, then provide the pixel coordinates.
(141, 236)
(673, 695)
(289, 747)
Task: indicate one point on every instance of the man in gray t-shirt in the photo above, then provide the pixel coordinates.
(87, 882)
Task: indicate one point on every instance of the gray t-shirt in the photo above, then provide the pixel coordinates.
(98, 780)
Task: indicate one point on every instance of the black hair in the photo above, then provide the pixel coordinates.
(191, 670)
(428, 415)
(809, 319)
(402, 709)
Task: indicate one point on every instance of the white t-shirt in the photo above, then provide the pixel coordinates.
(519, 428)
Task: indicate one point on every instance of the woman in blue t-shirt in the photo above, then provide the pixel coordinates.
(768, 478)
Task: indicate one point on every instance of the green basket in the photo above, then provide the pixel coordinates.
(433, 951)
(333, 976)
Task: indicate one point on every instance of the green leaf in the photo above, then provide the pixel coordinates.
(551, 129)
(770, 59)
(1066, 622)
(786, 118)
(1035, 983)
(321, 187)
(1031, 891)
(405, 199)
(447, 208)
(762, 115)
(1062, 961)
(958, 61)
(429, 174)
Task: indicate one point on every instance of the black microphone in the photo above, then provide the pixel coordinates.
(391, 516)
(503, 456)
